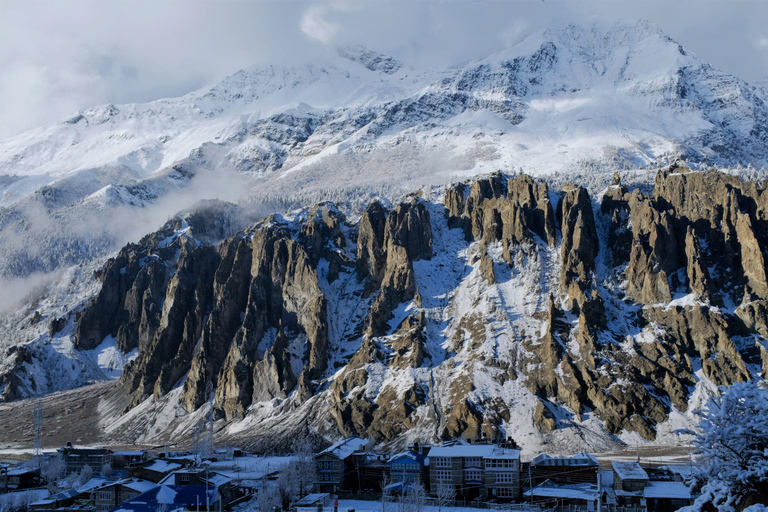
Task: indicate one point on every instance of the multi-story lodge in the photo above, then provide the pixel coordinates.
(486, 471)
(77, 458)
(579, 469)
(335, 465)
(636, 491)
(113, 494)
(406, 469)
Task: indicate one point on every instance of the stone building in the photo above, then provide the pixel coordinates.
(335, 465)
(114, 493)
(476, 470)
(579, 469)
(77, 458)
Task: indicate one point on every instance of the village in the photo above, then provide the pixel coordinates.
(347, 476)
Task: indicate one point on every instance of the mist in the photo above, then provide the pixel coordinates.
(58, 58)
(72, 235)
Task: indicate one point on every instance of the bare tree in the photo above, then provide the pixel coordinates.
(384, 492)
(414, 499)
(196, 440)
(53, 468)
(208, 449)
(85, 475)
(286, 486)
(445, 494)
(12, 502)
(106, 470)
(268, 497)
(72, 480)
(305, 469)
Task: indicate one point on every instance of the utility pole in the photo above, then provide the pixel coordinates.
(690, 460)
(37, 419)
(530, 484)
(209, 393)
(599, 491)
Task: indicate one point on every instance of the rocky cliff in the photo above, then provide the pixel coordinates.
(492, 307)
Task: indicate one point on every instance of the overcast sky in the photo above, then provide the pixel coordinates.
(57, 57)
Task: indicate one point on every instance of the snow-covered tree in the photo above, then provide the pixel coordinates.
(385, 493)
(52, 470)
(268, 497)
(85, 475)
(302, 468)
(445, 495)
(413, 499)
(72, 480)
(733, 444)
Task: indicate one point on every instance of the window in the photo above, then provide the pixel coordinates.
(501, 463)
(325, 465)
(443, 474)
(442, 462)
(473, 462)
(505, 478)
(327, 477)
(504, 492)
(185, 477)
(407, 478)
(473, 475)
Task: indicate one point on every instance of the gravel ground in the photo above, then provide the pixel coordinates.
(67, 416)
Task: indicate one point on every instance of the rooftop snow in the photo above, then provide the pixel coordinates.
(138, 485)
(580, 459)
(586, 492)
(409, 454)
(311, 499)
(90, 485)
(674, 490)
(218, 479)
(345, 447)
(162, 466)
(486, 451)
(629, 471)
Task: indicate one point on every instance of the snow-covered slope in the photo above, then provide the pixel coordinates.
(567, 102)
(566, 98)
(501, 306)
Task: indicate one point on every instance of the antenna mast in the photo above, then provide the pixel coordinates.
(37, 419)
(209, 397)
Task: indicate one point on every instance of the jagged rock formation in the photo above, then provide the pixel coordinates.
(463, 317)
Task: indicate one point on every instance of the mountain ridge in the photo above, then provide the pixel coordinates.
(479, 307)
(488, 306)
(564, 99)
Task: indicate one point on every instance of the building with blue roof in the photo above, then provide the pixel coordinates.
(172, 498)
(405, 469)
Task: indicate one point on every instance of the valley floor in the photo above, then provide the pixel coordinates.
(73, 416)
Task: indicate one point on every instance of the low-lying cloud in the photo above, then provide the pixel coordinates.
(60, 57)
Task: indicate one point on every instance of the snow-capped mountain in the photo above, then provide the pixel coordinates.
(565, 99)
(501, 305)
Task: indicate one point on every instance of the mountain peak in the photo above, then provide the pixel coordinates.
(372, 60)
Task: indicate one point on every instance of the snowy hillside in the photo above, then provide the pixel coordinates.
(564, 319)
(527, 306)
(568, 98)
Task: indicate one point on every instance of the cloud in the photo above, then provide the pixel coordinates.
(315, 24)
(60, 57)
